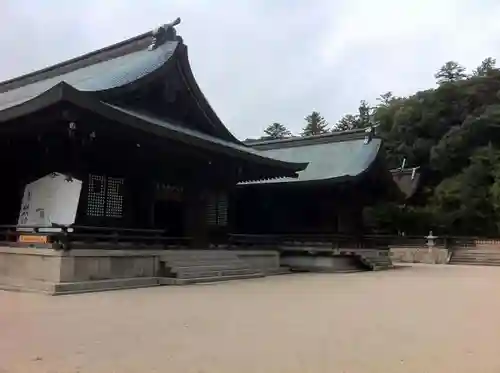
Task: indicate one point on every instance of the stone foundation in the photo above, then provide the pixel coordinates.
(63, 272)
(311, 263)
(435, 255)
(55, 272)
(266, 261)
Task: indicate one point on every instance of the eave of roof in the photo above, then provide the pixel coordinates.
(63, 92)
(189, 136)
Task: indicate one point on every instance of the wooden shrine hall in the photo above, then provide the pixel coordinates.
(346, 172)
(322, 209)
(119, 174)
(125, 138)
(131, 123)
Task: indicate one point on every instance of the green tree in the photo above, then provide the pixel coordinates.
(488, 65)
(386, 98)
(346, 123)
(365, 114)
(452, 132)
(315, 125)
(450, 72)
(463, 201)
(276, 131)
(363, 119)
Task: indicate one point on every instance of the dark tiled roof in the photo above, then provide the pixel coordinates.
(83, 79)
(100, 76)
(332, 156)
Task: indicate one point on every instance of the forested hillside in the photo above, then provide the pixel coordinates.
(452, 132)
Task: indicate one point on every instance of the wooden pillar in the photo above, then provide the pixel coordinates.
(350, 219)
(143, 198)
(195, 222)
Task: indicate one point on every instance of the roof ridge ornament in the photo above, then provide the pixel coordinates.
(369, 133)
(164, 33)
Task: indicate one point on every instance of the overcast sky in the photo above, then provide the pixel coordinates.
(264, 61)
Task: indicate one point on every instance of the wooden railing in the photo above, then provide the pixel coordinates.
(306, 240)
(471, 242)
(114, 237)
(336, 240)
(75, 237)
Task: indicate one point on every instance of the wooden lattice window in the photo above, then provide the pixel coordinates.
(114, 197)
(105, 196)
(217, 210)
(96, 196)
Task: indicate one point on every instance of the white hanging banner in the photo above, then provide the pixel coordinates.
(52, 199)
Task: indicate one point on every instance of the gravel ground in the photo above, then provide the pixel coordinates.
(414, 319)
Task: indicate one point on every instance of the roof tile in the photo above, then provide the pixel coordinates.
(101, 76)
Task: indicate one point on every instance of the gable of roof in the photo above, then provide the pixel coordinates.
(408, 180)
(115, 70)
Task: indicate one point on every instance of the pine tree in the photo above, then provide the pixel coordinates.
(346, 123)
(450, 72)
(487, 66)
(276, 131)
(315, 125)
(365, 115)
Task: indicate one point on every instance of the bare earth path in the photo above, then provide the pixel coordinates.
(421, 319)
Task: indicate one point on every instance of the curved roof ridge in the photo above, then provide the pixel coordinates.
(148, 40)
(104, 54)
(298, 141)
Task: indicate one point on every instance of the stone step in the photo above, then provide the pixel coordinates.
(475, 263)
(212, 254)
(194, 262)
(208, 273)
(475, 250)
(379, 259)
(212, 267)
(199, 280)
(166, 258)
(479, 252)
(375, 257)
(277, 271)
(377, 263)
(475, 258)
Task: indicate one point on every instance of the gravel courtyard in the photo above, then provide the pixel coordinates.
(416, 318)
